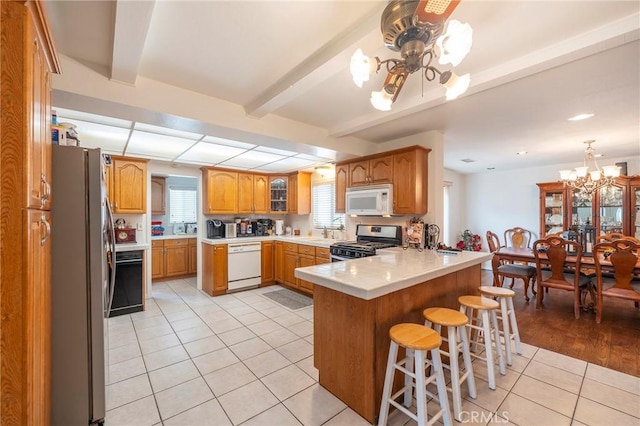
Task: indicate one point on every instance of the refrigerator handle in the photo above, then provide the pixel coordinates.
(111, 255)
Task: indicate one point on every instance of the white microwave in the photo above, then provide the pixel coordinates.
(370, 200)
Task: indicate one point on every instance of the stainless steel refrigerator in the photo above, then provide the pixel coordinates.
(83, 273)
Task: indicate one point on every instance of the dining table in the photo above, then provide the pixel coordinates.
(525, 254)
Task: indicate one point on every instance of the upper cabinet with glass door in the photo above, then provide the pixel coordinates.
(278, 194)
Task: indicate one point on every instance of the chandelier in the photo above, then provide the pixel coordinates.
(416, 30)
(587, 182)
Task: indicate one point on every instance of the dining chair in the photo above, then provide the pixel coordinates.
(622, 256)
(555, 272)
(502, 270)
(518, 237)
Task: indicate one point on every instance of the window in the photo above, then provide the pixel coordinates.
(324, 206)
(182, 205)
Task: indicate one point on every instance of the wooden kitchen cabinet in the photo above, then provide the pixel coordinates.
(172, 258)
(27, 61)
(406, 169)
(342, 174)
(267, 265)
(290, 264)
(214, 269)
(193, 256)
(278, 194)
(279, 262)
(129, 185)
(305, 260)
(253, 192)
(374, 171)
(157, 259)
(158, 197)
(410, 182)
(220, 190)
(176, 257)
(299, 197)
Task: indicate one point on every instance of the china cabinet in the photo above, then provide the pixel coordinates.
(634, 193)
(609, 209)
(552, 208)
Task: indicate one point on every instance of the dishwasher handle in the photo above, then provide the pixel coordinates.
(239, 248)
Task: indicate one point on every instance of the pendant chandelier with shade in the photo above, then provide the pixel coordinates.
(588, 181)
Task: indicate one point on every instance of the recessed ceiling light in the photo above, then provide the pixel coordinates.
(581, 117)
(491, 168)
(521, 153)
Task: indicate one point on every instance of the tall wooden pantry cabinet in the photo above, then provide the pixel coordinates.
(27, 60)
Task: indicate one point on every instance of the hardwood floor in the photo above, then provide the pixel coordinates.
(614, 343)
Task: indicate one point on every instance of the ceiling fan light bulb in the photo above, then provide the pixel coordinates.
(361, 67)
(454, 45)
(456, 85)
(381, 100)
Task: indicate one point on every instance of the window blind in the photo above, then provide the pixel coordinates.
(324, 206)
(182, 205)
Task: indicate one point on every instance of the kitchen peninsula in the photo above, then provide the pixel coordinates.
(356, 302)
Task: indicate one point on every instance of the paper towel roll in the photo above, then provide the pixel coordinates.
(279, 227)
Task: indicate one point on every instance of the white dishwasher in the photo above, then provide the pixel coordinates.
(244, 265)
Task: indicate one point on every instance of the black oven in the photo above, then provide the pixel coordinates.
(127, 293)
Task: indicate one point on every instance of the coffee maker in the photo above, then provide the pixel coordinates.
(215, 229)
(263, 226)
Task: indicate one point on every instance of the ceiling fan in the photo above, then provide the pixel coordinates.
(416, 29)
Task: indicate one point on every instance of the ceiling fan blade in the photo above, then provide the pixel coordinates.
(434, 12)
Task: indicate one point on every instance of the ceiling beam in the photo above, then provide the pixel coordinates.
(317, 67)
(612, 35)
(129, 35)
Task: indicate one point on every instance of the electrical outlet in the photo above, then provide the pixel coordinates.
(139, 226)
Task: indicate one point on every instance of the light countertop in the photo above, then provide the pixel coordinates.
(390, 270)
(311, 241)
(173, 236)
(131, 246)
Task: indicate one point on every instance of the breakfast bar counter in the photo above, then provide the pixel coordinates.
(356, 302)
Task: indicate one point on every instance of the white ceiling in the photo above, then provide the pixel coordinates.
(280, 69)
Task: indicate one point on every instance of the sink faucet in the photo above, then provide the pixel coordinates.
(325, 232)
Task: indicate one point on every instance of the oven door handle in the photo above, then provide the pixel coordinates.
(122, 262)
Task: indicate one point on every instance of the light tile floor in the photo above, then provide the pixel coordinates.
(190, 359)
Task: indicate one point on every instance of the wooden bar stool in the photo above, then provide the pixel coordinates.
(417, 341)
(508, 317)
(456, 326)
(484, 323)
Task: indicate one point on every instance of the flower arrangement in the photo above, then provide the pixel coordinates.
(469, 241)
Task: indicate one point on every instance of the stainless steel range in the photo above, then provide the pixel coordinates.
(368, 239)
